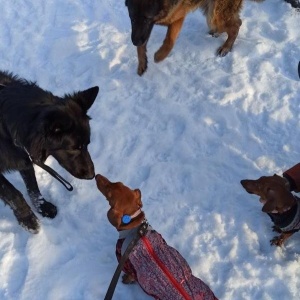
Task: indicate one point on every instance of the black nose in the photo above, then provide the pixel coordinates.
(89, 175)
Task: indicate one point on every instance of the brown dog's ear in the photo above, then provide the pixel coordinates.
(138, 196)
(114, 217)
(271, 204)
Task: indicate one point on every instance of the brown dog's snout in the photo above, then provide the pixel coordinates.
(248, 185)
(273, 193)
(102, 184)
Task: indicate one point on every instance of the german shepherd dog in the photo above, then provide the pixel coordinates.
(221, 15)
(35, 124)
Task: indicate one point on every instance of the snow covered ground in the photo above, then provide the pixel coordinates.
(185, 133)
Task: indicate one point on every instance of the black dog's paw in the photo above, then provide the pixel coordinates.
(46, 209)
(30, 222)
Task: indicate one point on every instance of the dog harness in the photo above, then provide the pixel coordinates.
(295, 223)
(289, 220)
(160, 270)
(128, 235)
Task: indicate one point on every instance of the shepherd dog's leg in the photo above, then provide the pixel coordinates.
(11, 196)
(45, 208)
(170, 39)
(142, 58)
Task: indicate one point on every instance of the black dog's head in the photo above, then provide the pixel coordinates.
(143, 14)
(63, 131)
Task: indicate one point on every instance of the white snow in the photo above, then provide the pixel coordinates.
(185, 134)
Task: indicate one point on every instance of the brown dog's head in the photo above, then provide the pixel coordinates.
(123, 201)
(274, 195)
(143, 14)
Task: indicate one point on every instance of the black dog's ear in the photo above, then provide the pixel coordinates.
(126, 2)
(86, 98)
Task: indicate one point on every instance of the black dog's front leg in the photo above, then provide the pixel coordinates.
(45, 208)
(11, 196)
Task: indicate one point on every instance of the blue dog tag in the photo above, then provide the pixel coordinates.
(126, 219)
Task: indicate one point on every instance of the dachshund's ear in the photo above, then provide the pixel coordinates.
(138, 197)
(271, 202)
(114, 217)
(269, 207)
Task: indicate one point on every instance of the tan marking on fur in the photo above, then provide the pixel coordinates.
(179, 11)
(221, 16)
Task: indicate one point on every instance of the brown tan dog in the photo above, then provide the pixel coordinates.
(279, 203)
(221, 15)
(159, 269)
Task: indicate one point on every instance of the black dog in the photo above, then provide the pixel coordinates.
(35, 124)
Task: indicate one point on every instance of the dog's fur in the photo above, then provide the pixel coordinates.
(278, 202)
(294, 3)
(35, 121)
(221, 15)
(124, 201)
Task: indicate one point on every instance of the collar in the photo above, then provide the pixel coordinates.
(123, 234)
(126, 219)
(295, 223)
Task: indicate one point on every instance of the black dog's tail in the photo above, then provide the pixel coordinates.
(299, 69)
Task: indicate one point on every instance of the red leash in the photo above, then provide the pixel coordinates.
(171, 278)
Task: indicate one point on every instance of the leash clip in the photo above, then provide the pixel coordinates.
(143, 228)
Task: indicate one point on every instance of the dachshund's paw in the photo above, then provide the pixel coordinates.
(128, 279)
(277, 241)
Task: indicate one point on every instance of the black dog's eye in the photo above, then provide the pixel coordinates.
(57, 130)
(82, 147)
(132, 20)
